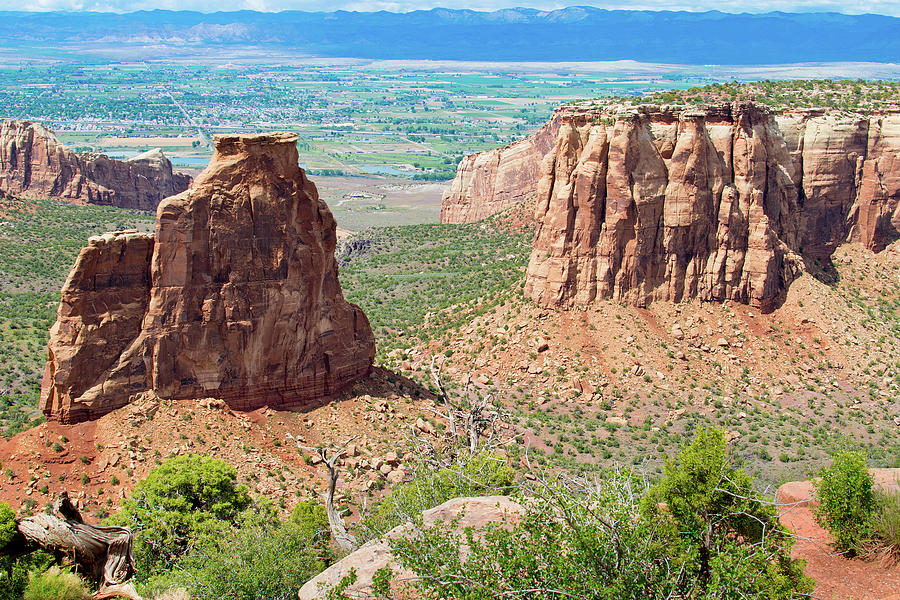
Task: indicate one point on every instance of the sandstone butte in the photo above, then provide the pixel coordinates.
(236, 297)
(34, 163)
(723, 201)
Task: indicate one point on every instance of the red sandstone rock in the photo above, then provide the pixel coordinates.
(491, 181)
(669, 203)
(236, 297)
(876, 214)
(647, 209)
(34, 163)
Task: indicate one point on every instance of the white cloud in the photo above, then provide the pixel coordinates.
(886, 7)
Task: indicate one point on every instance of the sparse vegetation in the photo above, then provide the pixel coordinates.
(846, 94)
(56, 584)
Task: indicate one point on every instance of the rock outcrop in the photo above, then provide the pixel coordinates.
(33, 162)
(235, 297)
(492, 181)
(719, 202)
(458, 513)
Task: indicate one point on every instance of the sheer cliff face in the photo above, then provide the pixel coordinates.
(671, 203)
(489, 182)
(236, 296)
(34, 163)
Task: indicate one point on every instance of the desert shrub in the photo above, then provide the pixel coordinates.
(256, 561)
(480, 475)
(14, 571)
(612, 538)
(170, 594)
(7, 524)
(56, 584)
(730, 539)
(886, 524)
(311, 520)
(182, 500)
(559, 545)
(847, 501)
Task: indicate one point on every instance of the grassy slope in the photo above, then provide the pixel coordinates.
(411, 274)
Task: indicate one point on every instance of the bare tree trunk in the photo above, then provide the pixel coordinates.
(102, 554)
(339, 533)
(445, 397)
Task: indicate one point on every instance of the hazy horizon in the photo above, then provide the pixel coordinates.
(851, 7)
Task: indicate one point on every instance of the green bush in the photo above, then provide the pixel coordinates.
(250, 563)
(560, 545)
(886, 523)
(700, 533)
(56, 584)
(14, 571)
(182, 500)
(311, 520)
(847, 501)
(729, 537)
(480, 476)
(7, 524)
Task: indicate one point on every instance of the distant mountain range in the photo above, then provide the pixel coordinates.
(517, 34)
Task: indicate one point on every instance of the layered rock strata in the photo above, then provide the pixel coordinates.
(720, 202)
(33, 162)
(492, 181)
(236, 297)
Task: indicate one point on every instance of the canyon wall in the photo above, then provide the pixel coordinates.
(34, 163)
(492, 181)
(715, 202)
(236, 296)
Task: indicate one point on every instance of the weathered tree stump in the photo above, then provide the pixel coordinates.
(101, 554)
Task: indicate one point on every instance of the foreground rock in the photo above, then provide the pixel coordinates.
(651, 203)
(368, 559)
(34, 163)
(235, 297)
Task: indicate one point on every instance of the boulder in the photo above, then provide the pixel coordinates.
(235, 297)
(375, 555)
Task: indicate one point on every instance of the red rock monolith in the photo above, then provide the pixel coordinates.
(235, 297)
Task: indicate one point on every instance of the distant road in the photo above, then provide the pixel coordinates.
(203, 135)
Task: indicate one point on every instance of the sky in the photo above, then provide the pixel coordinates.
(884, 7)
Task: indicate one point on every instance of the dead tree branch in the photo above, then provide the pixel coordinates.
(475, 425)
(330, 456)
